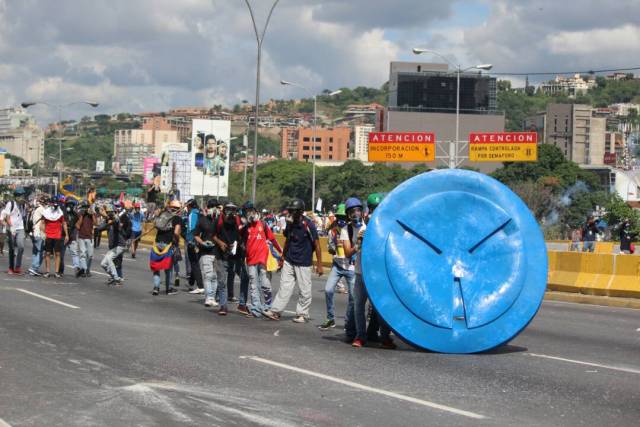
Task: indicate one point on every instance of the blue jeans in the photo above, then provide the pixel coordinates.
(259, 284)
(167, 279)
(360, 305)
(86, 254)
(588, 246)
(229, 268)
(108, 262)
(36, 253)
(210, 277)
(334, 276)
(16, 248)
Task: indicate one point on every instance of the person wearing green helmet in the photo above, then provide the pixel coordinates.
(376, 324)
(339, 243)
(373, 201)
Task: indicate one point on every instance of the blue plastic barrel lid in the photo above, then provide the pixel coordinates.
(454, 262)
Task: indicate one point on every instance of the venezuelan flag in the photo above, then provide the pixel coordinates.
(161, 259)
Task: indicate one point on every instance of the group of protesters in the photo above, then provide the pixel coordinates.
(222, 241)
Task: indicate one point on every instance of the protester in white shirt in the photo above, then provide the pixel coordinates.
(11, 216)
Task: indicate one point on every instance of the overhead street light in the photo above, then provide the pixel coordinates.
(458, 70)
(59, 108)
(315, 120)
(259, 41)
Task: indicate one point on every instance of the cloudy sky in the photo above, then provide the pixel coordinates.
(149, 55)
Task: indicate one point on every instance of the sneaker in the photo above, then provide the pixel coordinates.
(155, 292)
(133, 256)
(58, 276)
(357, 343)
(299, 319)
(271, 314)
(118, 281)
(176, 283)
(11, 272)
(172, 291)
(388, 344)
(46, 275)
(111, 281)
(243, 309)
(210, 302)
(32, 272)
(329, 323)
(79, 272)
(197, 291)
(222, 311)
(17, 270)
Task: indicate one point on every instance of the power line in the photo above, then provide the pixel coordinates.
(540, 73)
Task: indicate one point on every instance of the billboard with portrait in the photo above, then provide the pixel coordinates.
(210, 157)
(148, 169)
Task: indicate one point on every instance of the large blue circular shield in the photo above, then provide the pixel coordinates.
(454, 262)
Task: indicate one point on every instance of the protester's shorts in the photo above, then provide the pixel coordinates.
(53, 245)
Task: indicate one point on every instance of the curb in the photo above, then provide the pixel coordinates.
(593, 299)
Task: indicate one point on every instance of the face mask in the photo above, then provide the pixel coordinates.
(253, 217)
(229, 216)
(342, 223)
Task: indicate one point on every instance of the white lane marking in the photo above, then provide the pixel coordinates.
(368, 389)
(92, 271)
(594, 365)
(46, 298)
(3, 423)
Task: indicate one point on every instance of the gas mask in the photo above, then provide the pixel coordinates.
(342, 223)
(229, 216)
(253, 216)
(355, 216)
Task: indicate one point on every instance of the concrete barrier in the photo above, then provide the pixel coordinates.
(614, 275)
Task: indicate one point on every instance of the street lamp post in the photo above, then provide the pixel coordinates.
(313, 135)
(245, 143)
(59, 108)
(453, 147)
(259, 40)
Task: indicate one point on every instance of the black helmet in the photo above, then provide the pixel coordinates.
(248, 205)
(296, 205)
(212, 203)
(191, 203)
(230, 206)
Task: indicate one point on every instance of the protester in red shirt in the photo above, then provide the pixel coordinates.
(256, 236)
(53, 224)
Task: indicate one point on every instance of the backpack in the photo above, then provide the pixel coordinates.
(163, 222)
(28, 223)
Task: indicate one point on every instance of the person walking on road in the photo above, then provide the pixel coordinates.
(230, 254)
(12, 216)
(71, 218)
(355, 214)
(137, 218)
(203, 236)
(190, 224)
(340, 238)
(301, 240)
(85, 225)
(168, 226)
(256, 236)
(37, 236)
(117, 244)
(54, 226)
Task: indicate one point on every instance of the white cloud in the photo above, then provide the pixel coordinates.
(625, 39)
